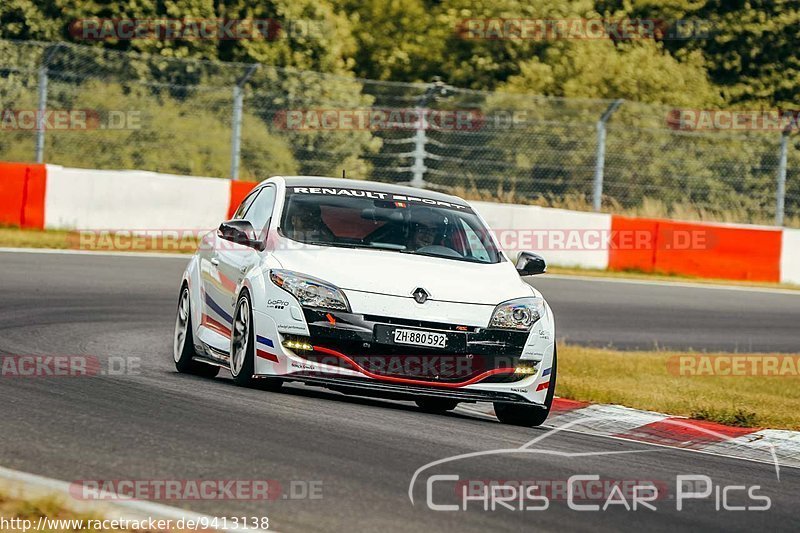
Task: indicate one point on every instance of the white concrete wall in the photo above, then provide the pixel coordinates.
(132, 199)
(790, 256)
(139, 200)
(562, 237)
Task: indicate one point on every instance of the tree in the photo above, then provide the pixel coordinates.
(312, 34)
(750, 46)
(639, 71)
(396, 40)
(29, 19)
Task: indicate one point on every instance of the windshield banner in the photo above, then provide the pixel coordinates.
(399, 199)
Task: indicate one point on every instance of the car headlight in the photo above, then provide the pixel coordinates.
(310, 292)
(519, 314)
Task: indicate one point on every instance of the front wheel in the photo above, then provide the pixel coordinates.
(242, 355)
(183, 341)
(526, 415)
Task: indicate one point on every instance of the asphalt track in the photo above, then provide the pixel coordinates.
(683, 316)
(152, 423)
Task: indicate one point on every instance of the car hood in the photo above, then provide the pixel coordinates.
(398, 274)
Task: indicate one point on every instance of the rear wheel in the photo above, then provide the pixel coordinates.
(436, 405)
(183, 341)
(526, 415)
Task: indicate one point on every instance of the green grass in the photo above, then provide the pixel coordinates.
(12, 507)
(26, 238)
(11, 237)
(33, 509)
(645, 380)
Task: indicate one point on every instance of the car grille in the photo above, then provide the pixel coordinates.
(420, 323)
(355, 336)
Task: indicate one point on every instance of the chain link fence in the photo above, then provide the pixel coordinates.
(90, 107)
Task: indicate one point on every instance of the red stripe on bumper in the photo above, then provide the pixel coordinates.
(409, 381)
(266, 355)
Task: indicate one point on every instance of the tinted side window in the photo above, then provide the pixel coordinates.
(477, 248)
(245, 205)
(261, 210)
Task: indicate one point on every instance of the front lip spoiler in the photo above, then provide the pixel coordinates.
(369, 387)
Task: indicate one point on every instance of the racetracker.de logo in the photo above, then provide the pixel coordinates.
(44, 366)
(775, 120)
(541, 240)
(734, 365)
(195, 489)
(580, 240)
(535, 29)
(192, 29)
(379, 119)
(70, 119)
(121, 240)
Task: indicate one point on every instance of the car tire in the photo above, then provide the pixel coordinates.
(183, 341)
(242, 352)
(436, 405)
(524, 415)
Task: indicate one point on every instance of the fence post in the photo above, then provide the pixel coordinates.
(42, 99)
(420, 139)
(236, 123)
(437, 88)
(600, 154)
(40, 113)
(780, 196)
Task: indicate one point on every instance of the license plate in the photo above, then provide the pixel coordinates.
(420, 338)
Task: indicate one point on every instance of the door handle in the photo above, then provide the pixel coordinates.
(243, 269)
(215, 261)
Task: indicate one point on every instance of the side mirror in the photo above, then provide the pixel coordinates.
(241, 232)
(529, 264)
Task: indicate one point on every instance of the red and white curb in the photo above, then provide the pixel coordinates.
(30, 486)
(764, 445)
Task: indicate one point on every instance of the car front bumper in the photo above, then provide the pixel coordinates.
(352, 353)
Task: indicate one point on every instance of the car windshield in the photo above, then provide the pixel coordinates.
(357, 218)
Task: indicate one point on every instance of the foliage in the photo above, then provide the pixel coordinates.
(162, 137)
(749, 55)
(748, 59)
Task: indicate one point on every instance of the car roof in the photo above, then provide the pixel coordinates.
(316, 181)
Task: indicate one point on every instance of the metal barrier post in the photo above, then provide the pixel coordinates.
(42, 107)
(780, 196)
(236, 125)
(600, 155)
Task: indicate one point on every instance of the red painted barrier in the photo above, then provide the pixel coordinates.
(33, 203)
(695, 249)
(22, 189)
(712, 251)
(648, 245)
(622, 255)
(239, 190)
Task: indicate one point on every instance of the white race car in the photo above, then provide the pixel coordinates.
(369, 289)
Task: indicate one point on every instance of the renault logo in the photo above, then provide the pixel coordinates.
(420, 295)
